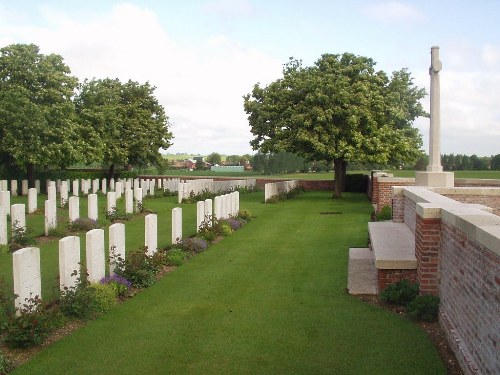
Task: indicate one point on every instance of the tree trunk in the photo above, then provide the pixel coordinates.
(30, 172)
(340, 168)
(111, 171)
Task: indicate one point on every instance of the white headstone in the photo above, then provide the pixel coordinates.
(95, 186)
(3, 226)
(152, 189)
(18, 217)
(64, 193)
(111, 198)
(94, 250)
(13, 187)
(4, 185)
(51, 193)
(200, 214)
(5, 201)
(32, 200)
(92, 207)
(24, 187)
(75, 188)
(208, 211)
(129, 201)
(69, 262)
(26, 272)
(50, 215)
(138, 199)
(118, 189)
(112, 184)
(151, 233)
(37, 186)
(176, 225)
(116, 245)
(104, 186)
(74, 208)
(218, 207)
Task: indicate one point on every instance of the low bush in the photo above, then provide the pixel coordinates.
(233, 223)
(400, 293)
(140, 268)
(32, 325)
(194, 244)
(245, 215)
(5, 365)
(58, 231)
(424, 308)
(21, 237)
(384, 214)
(226, 229)
(117, 215)
(119, 284)
(87, 301)
(83, 224)
(176, 257)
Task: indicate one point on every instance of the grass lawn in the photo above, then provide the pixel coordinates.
(270, 299)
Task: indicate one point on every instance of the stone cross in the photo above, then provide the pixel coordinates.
(435, 127)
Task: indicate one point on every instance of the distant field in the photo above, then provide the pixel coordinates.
(322, 175)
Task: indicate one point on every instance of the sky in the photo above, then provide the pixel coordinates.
(203, 56)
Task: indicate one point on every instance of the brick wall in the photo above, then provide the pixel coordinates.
(398, 206)
(492, 201)
(387, 277)
(382, 190)
(470, 298)
(410, 216)
(427, 243)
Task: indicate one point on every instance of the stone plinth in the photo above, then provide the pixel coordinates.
(435, 179)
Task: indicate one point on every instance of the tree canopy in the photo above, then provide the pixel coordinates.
(338, 110)
(128, 124)
(37, 118)
(214, 158)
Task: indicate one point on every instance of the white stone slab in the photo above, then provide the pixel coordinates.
(26, 272)
(116, 245)
(94, 251)
(37, 186)
(76, 188)
(208, 211)
(24, 187)
(32, 200)
(3, 226)
(51, 193)
(64, 193)
(69, 262)
(5, 201)
(111, 202)
(129, 201)
(138, 199)
(73, 208)
(118, 189)
(176, 225)
(151, 233)
(18, 216)
(13, 187)
(200, 214)
(92, 207)
(104, 186)
(50, 215)
(95, 186)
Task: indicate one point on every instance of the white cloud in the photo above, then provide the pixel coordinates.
(201, 86)
(393, 12)
(229, 7)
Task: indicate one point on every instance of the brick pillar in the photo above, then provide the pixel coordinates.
(427, 244)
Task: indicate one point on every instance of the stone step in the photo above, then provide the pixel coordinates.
(393, 245)
(362, 274)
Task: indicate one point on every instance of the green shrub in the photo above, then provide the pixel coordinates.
(139, 268)
(58, 231)
(176, 257)
(32, 325)
(5, 365)
(117, 215)
(83, 224)
(245, 215)
(400, 293)
(194, 244)
(119, 284)
(384, 214)
(226, 229)
(21, 237)
(7, 309)
(424, 308)
(4, 249)
(87, 301)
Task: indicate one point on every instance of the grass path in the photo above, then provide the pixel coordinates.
(269, 299)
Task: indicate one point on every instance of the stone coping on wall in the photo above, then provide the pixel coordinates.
(393, 245)
(477, 181)
(474, 220)
(486, 191)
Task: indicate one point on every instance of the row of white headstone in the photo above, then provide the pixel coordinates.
(26, 261)
(65, 187)
(276, 188)
(223, 207)
(188, 187)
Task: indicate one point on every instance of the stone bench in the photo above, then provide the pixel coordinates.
(393, 246)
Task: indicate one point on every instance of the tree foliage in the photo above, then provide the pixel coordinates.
(37, 118)
(214, 158)
(129, 124)
(280, 162)
(340, 109)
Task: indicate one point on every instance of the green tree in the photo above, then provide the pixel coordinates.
(339, 110)
(233, 160)
(495, 162)
(37, 117)
(130, 124)
(214, 158)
